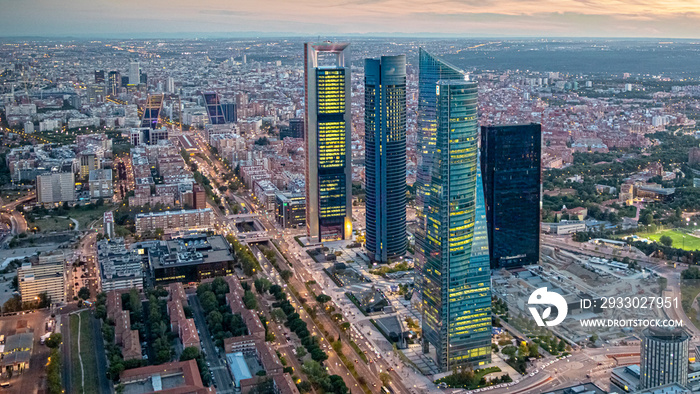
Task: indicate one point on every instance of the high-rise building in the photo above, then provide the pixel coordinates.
(47, 276)
(230, 111)
(327, 88)
(100, 76)
(134, 73)
(151, 111)
(385, 157)
(664, 357)
(170, 87)
(431, 70)
(456, 276)
(510, 165)
(214, 110)
(54, 187)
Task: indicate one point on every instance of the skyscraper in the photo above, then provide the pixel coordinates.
(99, 76)
(510, 164)
(664, 357)
(385, 156)
(327, 119)
(214, 110)
(456, 277)
(114, 82)
(431, 70)
(151, 111)
(134, 73)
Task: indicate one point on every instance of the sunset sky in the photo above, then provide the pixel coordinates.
(540, 18)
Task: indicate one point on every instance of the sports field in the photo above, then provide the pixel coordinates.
(688, 243)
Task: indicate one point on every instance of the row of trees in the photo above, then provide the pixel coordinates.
(221, 321)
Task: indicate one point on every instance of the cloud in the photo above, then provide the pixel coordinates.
(629, 18)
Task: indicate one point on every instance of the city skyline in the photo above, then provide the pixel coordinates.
(500, 18)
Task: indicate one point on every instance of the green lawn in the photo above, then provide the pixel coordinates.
(688, 243)
(74, 360)
(84, 217)
(50, 224)
(87, 352)
(688, 294)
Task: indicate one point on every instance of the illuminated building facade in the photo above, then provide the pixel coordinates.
(114, 82)
(510, 164)
(431, 70)
(456, 289)
(214, 108)
(328, 154)
(385, 157)
(151, 112)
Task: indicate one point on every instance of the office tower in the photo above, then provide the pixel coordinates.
(143, 78)
(328, 155)
(170, 87)
(99, 76)
(456, 276)
(664, 357)
(96, 93)
(125, 81)
(431, 70)
(294, 130)
(151, 111)
(510, 165)
(214, 111)
(385, 157)
(134, 73)
(230, 112)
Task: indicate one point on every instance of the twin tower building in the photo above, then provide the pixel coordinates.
(477, 202)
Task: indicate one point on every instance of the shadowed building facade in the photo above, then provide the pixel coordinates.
(327, 86)
(510, 164)
(385, 157)
(456, 276)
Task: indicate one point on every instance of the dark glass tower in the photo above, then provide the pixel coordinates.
(456, 276)
(215, 111)
(431, 70)
(510, 164)
(328, 154)
(385, 156)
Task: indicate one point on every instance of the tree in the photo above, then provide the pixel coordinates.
(301, 352)
(533, 350)
(249, 300)
(385, 378)
(322, 298)
(84, 293)
(135, 302)
(54, 340)
(666, 240)
(286, 274)
(189, 353)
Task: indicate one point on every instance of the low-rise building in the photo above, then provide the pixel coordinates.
(17, 351)
(174, 221)
(120, 268)
(291, 210)
(171, 378)
(190, 258)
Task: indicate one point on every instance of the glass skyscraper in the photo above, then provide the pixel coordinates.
(510, 164)
(456, 276)
(385, 157)
(430, 71)
(328, 154)
(215, 111)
